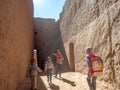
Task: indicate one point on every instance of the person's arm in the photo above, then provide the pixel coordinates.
(54, 54)
(39, 70)
(45, 67)
(28, 71)
(89, 63)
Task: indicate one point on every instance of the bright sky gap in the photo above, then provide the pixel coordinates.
(48, 8)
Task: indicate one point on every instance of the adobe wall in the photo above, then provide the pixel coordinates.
(46, 37)
(93, 23)
(16, 41)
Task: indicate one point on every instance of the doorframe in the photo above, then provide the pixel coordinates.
(71, 56)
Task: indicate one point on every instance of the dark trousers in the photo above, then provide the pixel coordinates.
(58, 70)
(91, 82)
(49, 75)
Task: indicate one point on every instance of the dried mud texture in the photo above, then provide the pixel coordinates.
(16, 41)
(93, 23)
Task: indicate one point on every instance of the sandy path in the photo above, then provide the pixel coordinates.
(69, 81)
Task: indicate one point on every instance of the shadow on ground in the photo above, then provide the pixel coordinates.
(54, 87)
(27, 84)
(72, 83)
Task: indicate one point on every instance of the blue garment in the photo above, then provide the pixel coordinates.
(87, 59)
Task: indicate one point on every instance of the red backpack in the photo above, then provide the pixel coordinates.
(59, 58)
(97, 65)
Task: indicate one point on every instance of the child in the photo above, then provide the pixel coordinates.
(49, 68)
(59, 61)
(33, 72)
(95, 68)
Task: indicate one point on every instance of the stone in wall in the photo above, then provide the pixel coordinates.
(16, 41)
(94, 23)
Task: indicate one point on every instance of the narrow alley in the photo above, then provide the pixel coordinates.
(69, 81)
(29, 40)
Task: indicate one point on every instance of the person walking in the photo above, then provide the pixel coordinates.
(49, 68)
(95, 66)
(32, 73)
(59, 61)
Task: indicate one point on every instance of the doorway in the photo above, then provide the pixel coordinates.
(71, 56)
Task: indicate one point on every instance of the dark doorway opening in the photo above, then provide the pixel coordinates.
(40, 60)
(71, 56)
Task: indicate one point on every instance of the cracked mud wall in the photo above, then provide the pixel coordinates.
(93, 23)
(16, 41)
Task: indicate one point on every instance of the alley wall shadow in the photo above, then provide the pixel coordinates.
(65, 65)
(26, 85)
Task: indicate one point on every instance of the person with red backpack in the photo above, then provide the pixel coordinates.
(59, 60)
(95, 68)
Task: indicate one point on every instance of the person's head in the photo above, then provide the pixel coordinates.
(89, 50)
(49, 58)
(58, 51)
(33, 61)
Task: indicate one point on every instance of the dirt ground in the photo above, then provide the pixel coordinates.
(68, 81)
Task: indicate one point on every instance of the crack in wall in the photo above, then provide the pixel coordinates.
(111, 54)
